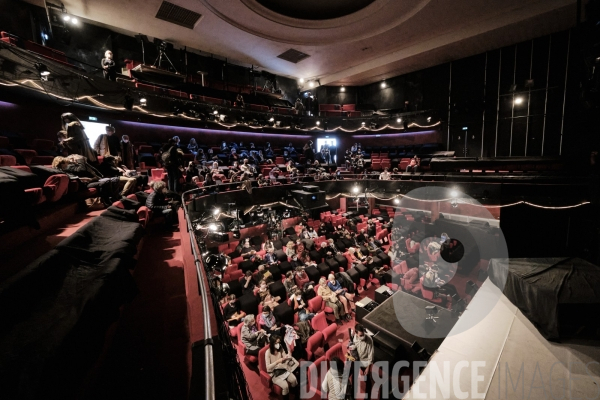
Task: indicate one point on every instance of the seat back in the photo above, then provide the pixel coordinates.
(7, 161)
(335, 351)
(315, 304)
(313, 344)
(319, 322)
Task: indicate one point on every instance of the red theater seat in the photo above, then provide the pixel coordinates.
(42, 160)
(265, 378)
(56, 187)
(27, 154)
(313, 344)
(7, 161)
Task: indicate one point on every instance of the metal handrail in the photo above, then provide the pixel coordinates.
(209, 373)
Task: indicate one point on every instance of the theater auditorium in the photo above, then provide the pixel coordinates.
(265, 199)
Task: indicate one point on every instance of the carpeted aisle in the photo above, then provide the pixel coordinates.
(147, 356)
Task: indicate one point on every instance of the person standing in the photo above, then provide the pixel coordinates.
(127, 152)
(76, 141)
(107, 144)
(335, 383)
(109, 67)
(173, 162)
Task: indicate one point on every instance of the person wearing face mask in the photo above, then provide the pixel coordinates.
(296, 262)
(289, 283)
(312, 234)
(127, 152)
(281, 365)
(299, 307)
(342, 294)
(248, 283)
(331, 300)
(231, 312)
(266, 321)
(365, 350)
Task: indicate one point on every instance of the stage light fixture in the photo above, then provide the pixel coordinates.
(216, 211)
(363, 123)
(212, 227)
(74, 21)
(66, 17)
(143, 101)
(518, 100)
(311, 84)
(399, 120)
(271, 119)
(342, 89)
(383, 85)
(318, 123)
(301, 80)
(428, 119)
(396, 201)
(216, 112)
(355, 189)
(454, 193)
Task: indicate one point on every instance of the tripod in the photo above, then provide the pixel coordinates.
(162, 53)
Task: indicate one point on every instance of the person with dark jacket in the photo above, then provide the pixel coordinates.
(127, 152)
(76, 141)
(77, 165)
(109, 67)
(158, 203)
(174, 163)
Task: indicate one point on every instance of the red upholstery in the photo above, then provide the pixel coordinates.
(313, 344)
(236, 275)
(143, 215)
(329, 332)
(7, 161)
(319, 322)
(159, 174)
(315, 304)
(336, 351)
(249, 359)
(316, 371)
(146, 149)
(301, 282)
(265, 378)
(27, 154)
(56, 187)
(35, 195)
(349, 107)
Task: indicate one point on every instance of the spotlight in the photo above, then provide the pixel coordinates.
(301, 80)
(396, 201)
(216, 112)
(212, 227)
(399, 120)
(318, 123)
(236, 233)
(66, 17)
(273, 119)
(428, 119)
(216, 211)
(518, 100)
(74, 21)
(42, 69)
(363, 123)
(143, 102)
(355, 189)
(454, 193)
(383, 85)
(342, 89)
(311, 84)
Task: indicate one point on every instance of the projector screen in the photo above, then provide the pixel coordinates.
(93, 130)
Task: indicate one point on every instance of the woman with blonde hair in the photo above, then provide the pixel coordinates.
(331, 300)
(290, 249)
(342, 294)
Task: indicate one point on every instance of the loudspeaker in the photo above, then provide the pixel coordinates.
(310, 199)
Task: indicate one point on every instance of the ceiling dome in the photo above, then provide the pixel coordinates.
(315, 9)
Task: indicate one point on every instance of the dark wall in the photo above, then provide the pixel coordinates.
(481, 99)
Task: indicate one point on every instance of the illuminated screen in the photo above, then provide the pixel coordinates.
(93, 130)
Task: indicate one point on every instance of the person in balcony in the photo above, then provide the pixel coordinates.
(385, 175)
(77, 141)
(413, 166)
(109, 67)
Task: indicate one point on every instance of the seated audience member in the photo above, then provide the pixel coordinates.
(289, 283)
(372, 246)
(385, 175)
(77, 165)
(322, 230)
(325, 251)
(141, 180)
(412, 167)
(281, 366)
(266, 320)
(264, 274)
(299, 247)
(253, 338)
(109, 169)
(289, 249)
(158, 203)
(299, 306)
(193, 147)
(270, 257)
(331, 300)
(361, 238)
(248, 283)
(265, 297)
(231, 312)
(342, 294)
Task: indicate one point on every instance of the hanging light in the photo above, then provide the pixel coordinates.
(42, 69)
(74, 21)
(399, 120)
(342, 89)
(66, 17)
(143, 102)
(383, 85)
